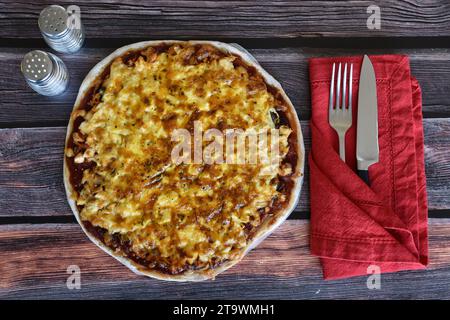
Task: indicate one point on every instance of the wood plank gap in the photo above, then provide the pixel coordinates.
(439, 214)
(37, 220)
(263, 43)
(33, 124)
(296, 215)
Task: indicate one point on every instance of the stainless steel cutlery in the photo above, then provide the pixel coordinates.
(339, 111)
(340, 114)
(367, 150)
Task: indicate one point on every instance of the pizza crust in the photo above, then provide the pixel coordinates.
(264, 230)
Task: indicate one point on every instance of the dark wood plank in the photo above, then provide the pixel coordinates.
(249, 19)
(31, 170)
(34, 260)
(20, 106)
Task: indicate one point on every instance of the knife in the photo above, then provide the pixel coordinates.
(367, 150)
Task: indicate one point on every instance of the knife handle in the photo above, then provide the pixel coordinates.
(364, 175)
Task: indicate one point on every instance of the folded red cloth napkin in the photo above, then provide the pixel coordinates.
(354, 226)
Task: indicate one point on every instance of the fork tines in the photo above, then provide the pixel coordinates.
(341, 102)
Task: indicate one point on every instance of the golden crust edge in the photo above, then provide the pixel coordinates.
(263, 231)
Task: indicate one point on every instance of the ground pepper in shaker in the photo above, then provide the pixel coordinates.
(61, 28)
(44, 72)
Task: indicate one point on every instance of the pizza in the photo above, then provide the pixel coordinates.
(182, 219)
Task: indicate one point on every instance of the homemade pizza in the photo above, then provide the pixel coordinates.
(182, 219)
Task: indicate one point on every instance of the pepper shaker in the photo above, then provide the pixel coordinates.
(62, 30)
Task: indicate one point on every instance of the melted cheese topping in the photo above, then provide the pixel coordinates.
(186, 216)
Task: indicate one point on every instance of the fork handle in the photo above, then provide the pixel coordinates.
(364, 175)
(342, 146)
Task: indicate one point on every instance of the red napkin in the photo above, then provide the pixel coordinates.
(354, 226)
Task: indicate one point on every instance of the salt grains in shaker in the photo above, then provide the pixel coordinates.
(44, 72)
(62, 31)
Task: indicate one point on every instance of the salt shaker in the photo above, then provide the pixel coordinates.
(62, 31)
(44, 72)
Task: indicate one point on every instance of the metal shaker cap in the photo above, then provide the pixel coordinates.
(36, 65)
(53, 21)
(45, 73)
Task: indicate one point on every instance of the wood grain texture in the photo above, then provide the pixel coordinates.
(242, 19)
(34, 257)
(34, 261)
(21, 106)
(31, 170)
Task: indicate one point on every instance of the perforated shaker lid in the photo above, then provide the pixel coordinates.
(36, 65)
(53, 20)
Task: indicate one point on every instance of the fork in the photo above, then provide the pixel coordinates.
(339, 112)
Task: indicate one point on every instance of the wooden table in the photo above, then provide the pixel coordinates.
(39, 237)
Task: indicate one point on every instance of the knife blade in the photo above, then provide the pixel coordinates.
(367, 151)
